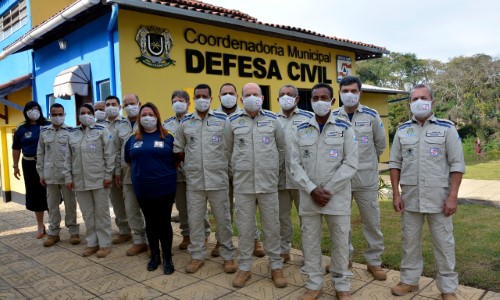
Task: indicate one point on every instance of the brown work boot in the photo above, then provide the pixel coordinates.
(103, 252)
(449, 296)
(75, 239)
(310, 295)
(402, 289)
(51, 240)
(194, 265)
(185, 243)
(121, 238)
(344, 295)
(230, 266)
(136, 249)
(215, 251)
(258, 250)
(89, 251)
(286, 257)
(377, 272)
(241, 278)
(278, 278)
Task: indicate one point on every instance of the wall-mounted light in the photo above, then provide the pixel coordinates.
(63, 44)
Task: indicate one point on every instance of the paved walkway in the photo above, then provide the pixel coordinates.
(30, 271)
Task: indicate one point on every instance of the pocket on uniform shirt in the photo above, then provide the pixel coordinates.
(333, 149)
(437, 149)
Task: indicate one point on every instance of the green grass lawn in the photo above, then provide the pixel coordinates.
(487, 170)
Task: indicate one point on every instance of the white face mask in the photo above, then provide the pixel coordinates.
(252, 103)
(57, 120)
(321, 108)
(112, 111)
(33, 114)
(100, 115)
(202, 104)
(86, 119)
(349, 99)
(148, 122)
(228, 101)
(420, 108)
(132, 110)
(287, 102)
(179, 107)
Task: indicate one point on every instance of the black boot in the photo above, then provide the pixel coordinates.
(168, 265)
(154, 262)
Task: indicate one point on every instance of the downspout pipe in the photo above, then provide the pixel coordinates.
(33, 77)
(111, 48)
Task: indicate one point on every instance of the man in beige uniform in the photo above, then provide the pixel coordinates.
(113, 118)
(51, 152)
(100, 113)
(228, 98)
(324, 158)
(370, 135)
(199, 140)
(123, 130)
(427, 161)
(290, 117)
(256, 144)
(180, 104)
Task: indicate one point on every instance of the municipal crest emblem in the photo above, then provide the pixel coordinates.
(155, 44)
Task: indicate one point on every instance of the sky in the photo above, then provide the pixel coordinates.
(432, 29)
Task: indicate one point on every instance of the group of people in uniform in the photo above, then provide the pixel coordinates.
(318, 161)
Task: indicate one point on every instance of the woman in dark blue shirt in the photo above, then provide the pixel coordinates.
(153, 172)
(26, 141)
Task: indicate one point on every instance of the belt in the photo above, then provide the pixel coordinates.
(29, 158)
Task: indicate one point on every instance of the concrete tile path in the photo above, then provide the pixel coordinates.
(30, 271)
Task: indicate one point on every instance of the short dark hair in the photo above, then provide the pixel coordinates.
(348, 80)
(29, 106)
(423, 86)
(228, 83)
(203, 86)
(323, 85)
(87, 106)
(112, 98)
(180, 94)
(56, 105)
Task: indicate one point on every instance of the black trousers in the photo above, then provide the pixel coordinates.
(36, 194)
(157, 211)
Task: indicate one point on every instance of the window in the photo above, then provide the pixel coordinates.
(104, 89)
(13, 19)
(50, 99)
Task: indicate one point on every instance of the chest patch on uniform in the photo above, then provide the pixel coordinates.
(434, 133)
(138, 144)
(92, 146)
(365, 123)
(216, 138)
(213, 123)
(266, 140)
(192, 123)
(241, 123)
(158, 144)
(364, 140)
(306, 154)
(333, 134)
(333, 153)
(410, 132)
(62, 148)
(192, 139)
(435, 151)
(409, 153)
(297, 122)
(264, 123)
(28, 134)
(241, 143)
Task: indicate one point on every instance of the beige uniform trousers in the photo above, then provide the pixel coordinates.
(231, 203)
(286, 199)
(118, 204)
(134, 215)
(369, 211)
(197, 211)
(54, 193)
(443, 246)
(246, 207)
(182, 207)
(312, 233)
(94, 205)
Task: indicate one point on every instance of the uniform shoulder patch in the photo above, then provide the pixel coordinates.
(168, 120)
(404, 125)
(220, 115)
(187, 117)
(342, 123)
(44, 128)
(303, 125)
(306, 113)
(99, 127)
(446, 121)
(369, 111)
(235, 116)
(270, 114)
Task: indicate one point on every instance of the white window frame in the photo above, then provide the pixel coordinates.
(13, 19)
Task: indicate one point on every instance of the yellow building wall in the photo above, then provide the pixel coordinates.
(156, 84)
(20, 98)
(380, 104)
(41, 10)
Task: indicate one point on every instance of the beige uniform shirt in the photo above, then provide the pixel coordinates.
(257, 150)
(426, 155)
(328, 159)
(123, 130)
(370, 135)
(51, 151)
(90, 157)
(238, 110)
(172, 124)
(289, 127)
(202, 141)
